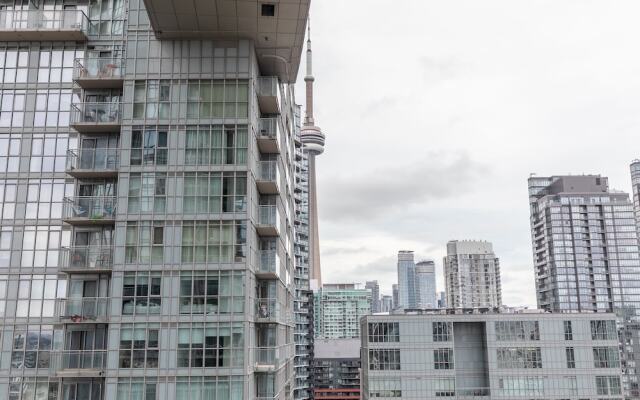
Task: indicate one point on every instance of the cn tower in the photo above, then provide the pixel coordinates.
(313, 141)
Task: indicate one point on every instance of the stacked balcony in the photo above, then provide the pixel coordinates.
(93, 163)
(99, 73)
(268, 91)
(82, 309)
(268, 221)
(89, 210)
(269, 135)
(268, 359)
(91, 118)
(86, 259)
(268, 177)
(268, 264)
(78, 363)
(43, 25)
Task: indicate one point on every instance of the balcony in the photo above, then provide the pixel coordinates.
(84, 259)
(96, 117)
(268, 177)
(267, 224)
(268, 264)
(89, 210)
(268, 311)
(82, 309)
(267, 359)
(43, 25)
(269, 135)
(93, 163)
(78, 363)
(268, 89)
(99, 73)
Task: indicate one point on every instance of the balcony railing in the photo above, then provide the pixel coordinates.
(267, 357)
(269, 135)
(83, 361)
(88, 163)
(268, 177)
(43, 25)
(269, 94)
(86, 258)
(97, 73)
(268, 263)
(91, 210)
(267, 309)
(96, 117)
(82, 309)
(268, 220)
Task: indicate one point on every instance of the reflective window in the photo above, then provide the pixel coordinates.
(216, 145)
(149, 146)
(139, 345)
(32, 346)
(49, 152)
(12, 105)
(210, 345)
(147, 193)
(41, 245)
(211, 292)
(37, 295)
(214, 241)
(144, 242)
(141, 293)
(214, 192)
(52, 108)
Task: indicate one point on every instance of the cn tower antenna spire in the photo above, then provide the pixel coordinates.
(308, 79)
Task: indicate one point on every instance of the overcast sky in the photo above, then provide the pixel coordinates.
(436, 112)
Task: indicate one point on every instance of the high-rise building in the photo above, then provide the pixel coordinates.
(375, 295)
(472, 275)
(442, 299)
(432, 355)
(148, 208)
(338, 308)
(406, 279)
(426, 284)
(635, 184)
(585, 253)
(336, 369)
(386, 304)
(395, 296)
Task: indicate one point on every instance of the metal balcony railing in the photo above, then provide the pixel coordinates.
(82, 309)
(96, 72)
(43, 25)
(98, 160)
(93, 209)
(78, 360)
(95, 117)
(89, 258)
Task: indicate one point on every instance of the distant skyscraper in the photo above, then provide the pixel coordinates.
(426, 284)
(406, 279)
(635, 184)
(395, 296)
(375, 295)
(472, 275)
(338, 308)
(386, 304)
(442, 299)
(585, 253)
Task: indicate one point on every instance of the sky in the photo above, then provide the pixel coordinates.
(436, 113)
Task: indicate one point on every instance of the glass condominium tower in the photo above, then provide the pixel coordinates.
(148, 158)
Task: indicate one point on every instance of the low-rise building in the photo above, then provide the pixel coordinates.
(336, 369)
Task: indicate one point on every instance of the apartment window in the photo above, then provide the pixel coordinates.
(210, 387)
(81, 390)
(15, 65)
(384, 332)
(136, 389)
(521, 386)
(571, 359)
(212, 292)
(604, 330)
(568, 330)
(442, 331)
(41, 246)
(26, 388)
(385, 387)
(52, 108)
(6, 236)
(48, 152)
(517, 330)
(443, 358)
(152, 99)
(12, 103)
(444, 387)
(149, 145)
(608, 385)
(268, 9)
(37, 295)
(218, 99)
(44, 198)
(147, 193)
(214, 241)
(107, 18)
(215, 192)
(9, 152)
(141, 293)
(56, 65)
(384, 359)
(606, 357)
(216, 145)
(8, 192)
(210, 345)
(139, 345)
(144, 242)
(32, 346)
(519, 357)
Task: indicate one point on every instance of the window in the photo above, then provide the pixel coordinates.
(608, 385)
(139, 345)
(53, 108)
(216, 145)
(8, 191)
(49, 152)
(215, 192)
(385, 387)
(214, 241)
(44, 198)
(152, 99)
(144, 242)
(571, 359)
(604, 330)
(212, 292)
(268, 10)
(444, 387)
(571, 383)
(32, 346)
(6, 234)
(519, 357)
(37, 295)
(15, 65)
(209, 387)
(443, 358)
(149, 146)
(136, 389)
(384, 332)
(147, 193)
(606, 357)
(81, 390)
(141, 293)
(442, 331)
(217, 99)
(12, 103)
(41, 245)
(9, 152)
(568, 330)
(384, 359)
(517, 330)
(521, 386)
(56, 65)
(210, 346)
(28, 387)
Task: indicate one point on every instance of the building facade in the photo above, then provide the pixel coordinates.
(442, 299)
(635, 187)
(338, 309)
(472, 275)
(586, 254)
(336, 369)
(386, 304)
(374, 287)
(148, 209)
(395, 295)
(487, 355)
(426, 284)
(406, 280)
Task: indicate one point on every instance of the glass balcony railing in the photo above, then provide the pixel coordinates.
(267, 357)
(49, 25)
(268, 262)
(268, 177)
(96, 117)
(78, 359)
(89, 258)
(82, 309)
(92, 161)
(268, 135)
(268, 215)
(268, 89)
(89, 209)
(98, 72)
(267, 309)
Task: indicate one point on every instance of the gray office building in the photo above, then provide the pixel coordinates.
(406, 280)
(395, 295)
(481, 354)
(472, 275)
(375, 295)
(635, 185)
(149, 154)
(426, 284)
(586, 254)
